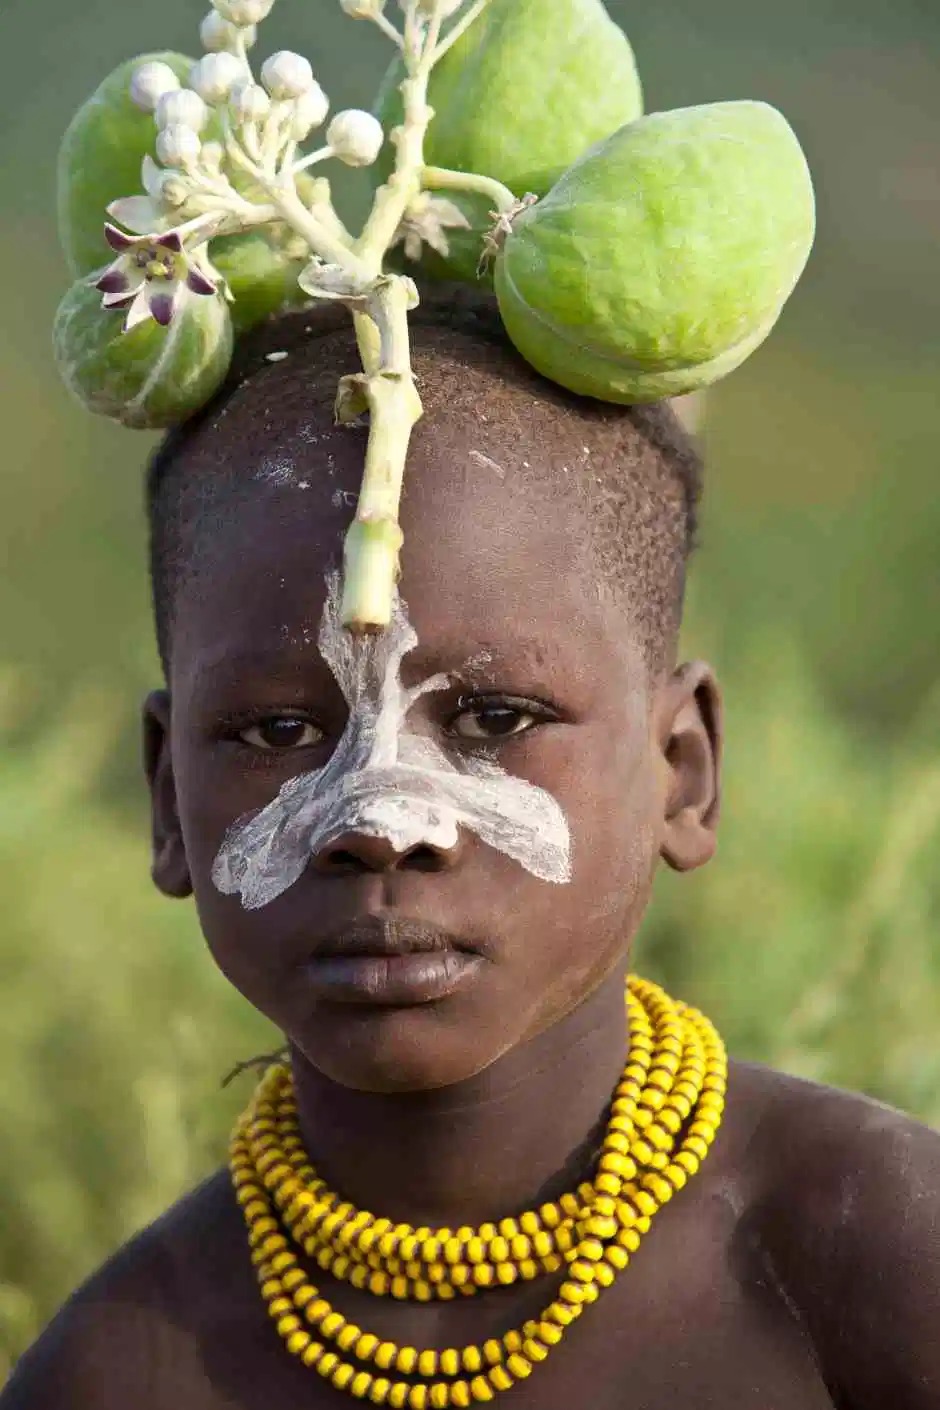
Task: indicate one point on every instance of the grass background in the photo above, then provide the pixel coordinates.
(812, 941)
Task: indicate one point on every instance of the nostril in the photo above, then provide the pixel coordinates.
(422, 858)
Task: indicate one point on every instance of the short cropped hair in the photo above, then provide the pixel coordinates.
(640, 484)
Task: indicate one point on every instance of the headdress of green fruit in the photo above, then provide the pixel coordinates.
(664, 256)
(525, 91)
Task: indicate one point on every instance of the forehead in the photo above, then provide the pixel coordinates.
(497, 564)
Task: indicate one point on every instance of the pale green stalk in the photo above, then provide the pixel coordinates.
(438, 178)
(373, 542)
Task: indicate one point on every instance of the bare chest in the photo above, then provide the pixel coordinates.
(682, 1328)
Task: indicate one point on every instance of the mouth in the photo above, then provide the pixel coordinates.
(380, 962)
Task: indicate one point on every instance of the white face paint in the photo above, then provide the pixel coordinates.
(384, 782)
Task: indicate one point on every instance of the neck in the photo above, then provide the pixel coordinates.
(521, 1132)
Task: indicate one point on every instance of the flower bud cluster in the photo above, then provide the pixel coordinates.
(215, 75)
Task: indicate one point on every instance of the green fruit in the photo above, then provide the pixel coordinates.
(663, 258)
(150, 377)
(100, 159)
(262, 279)
(529, 87)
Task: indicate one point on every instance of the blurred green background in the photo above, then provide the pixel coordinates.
(813, 941)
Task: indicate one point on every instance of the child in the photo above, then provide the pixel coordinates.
(425, 855)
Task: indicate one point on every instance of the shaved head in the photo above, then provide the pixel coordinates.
(624, 482)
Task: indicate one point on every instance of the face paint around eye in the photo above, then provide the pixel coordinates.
(383, 781)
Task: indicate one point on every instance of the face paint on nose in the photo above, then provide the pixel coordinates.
(383, 781)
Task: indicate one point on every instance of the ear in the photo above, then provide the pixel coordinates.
(691, 737)
(169, 867)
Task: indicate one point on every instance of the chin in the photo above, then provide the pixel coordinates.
(415, 1049)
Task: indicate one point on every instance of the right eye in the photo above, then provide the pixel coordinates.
(282, 733)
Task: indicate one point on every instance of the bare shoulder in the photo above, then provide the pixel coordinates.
(135, 1334)
(849, 1222)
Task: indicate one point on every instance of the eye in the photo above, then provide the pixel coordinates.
(283, 733)
(495, 719)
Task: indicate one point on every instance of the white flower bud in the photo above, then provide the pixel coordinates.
(173, 189)
(287, 75)
(215, 75)
(182, 109)
(362, 9)
(310, 111)
(244, 12)
(178, 145)
(356, 137)
(248, 102)
(220, 36)
(150, 82)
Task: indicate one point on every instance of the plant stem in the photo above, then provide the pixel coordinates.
(460, 28)
(437, 178)
(373, 541)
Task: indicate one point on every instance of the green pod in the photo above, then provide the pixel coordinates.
(100, 159)
(151, 377)
(664, 257)
(262, 278)
(529, 87)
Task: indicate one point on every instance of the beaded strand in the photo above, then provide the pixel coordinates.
(664, 1115)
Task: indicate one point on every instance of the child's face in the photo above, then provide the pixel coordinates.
(533, 700)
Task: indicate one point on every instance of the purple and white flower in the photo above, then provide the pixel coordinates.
(151, 277)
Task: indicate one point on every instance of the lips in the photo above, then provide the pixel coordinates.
(390, 963)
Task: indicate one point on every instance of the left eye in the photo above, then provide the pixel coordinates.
(282, 732)
(492, 722)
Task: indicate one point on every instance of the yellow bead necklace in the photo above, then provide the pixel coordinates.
(664, 1115)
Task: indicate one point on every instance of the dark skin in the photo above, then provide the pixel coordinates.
(799, 1269)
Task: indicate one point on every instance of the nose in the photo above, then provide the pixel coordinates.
(356, 852)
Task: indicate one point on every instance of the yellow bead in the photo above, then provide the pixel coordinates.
(418, 1398)
(379, 1389)
(506, 1273)
(528, 1269)
(347, 1336)
(385, 1355)
(328, 1363)
(288, 1324)
(609, 1184)
(617, 1257)
(366, 1346)
(398, 1395)
(423, 1291)
(535, 1350)
(450, 1362)
(492, 1352)
(298, 1342)
(519, 1366)
(317, 1310)
(379, 1284)
(406, 1360)
(439, 1397)
(342, 1376)
(453, 1251)
(332, 1324)
(481, 1389)
(460, 1395)
(499, 1250)
(471, 1359)
(360, 1385)
(476, 1251)
(483, 1274)
(400, 1287)
(312, 1353)
(500, 1379)
(542, 1244)
(529, 1223)
(280, 1306)
(427, 1364)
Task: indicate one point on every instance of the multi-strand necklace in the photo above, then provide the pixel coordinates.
(664, 1115)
